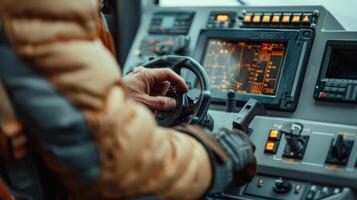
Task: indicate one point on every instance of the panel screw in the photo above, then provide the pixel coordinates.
(313, 26)
(316, 12)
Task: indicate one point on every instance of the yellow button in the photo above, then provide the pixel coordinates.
(266, 19)
(275, 19)
(222, 18)
(256, 19)
(286, 19)
(273, 134)
(295, 19)
(306, 19)
(270, 146)
(247, 18)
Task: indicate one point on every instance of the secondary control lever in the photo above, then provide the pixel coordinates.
(296, 143)
(245, 116)
(180, 45)
(231, 101)
(339, 151)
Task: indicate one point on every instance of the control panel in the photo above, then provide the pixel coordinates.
(301, 159)
(298, 62)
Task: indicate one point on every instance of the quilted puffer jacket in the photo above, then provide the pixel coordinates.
(70, 98)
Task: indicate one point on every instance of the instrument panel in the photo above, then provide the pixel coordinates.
(299, 62)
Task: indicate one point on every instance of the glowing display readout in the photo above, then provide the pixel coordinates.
(244, 66)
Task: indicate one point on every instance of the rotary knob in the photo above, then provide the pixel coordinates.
(282, 185)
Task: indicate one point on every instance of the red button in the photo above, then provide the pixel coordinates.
(322, 94)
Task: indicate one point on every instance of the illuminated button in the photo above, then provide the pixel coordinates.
(222, 18)
(297, 189)
(274, 134)
(296, 19)
(285, 19)
(306, 19)
(266, 18)
(247, 18)
(256, 19)
(323, 94)
(271, 147)
(275, 19)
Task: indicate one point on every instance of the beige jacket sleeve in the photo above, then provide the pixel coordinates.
(136, 156)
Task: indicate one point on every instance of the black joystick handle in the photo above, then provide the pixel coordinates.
(231, 101)
(294, 143)
(292, 132)
(340, 147)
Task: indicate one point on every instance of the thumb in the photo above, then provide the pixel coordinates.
(161, 103)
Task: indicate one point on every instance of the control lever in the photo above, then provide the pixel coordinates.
(339, 147)
(339, 151)
(245, 116)
(292, 133)
(231, 101)
(296, 144)
(181, 44)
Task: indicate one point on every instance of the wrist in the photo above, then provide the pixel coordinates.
(240, 150)
(222, 167)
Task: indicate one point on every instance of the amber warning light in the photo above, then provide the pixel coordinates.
(222, 18)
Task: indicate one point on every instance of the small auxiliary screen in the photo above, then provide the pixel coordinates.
(337, 80)
(343, 64)
(251, 67)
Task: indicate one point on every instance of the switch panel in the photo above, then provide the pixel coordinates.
(315, 141)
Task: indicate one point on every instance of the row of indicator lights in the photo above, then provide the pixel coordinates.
(271, 145)
(277, 18)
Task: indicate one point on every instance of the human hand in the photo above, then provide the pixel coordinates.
(149, 86)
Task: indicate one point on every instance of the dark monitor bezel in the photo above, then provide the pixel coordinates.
(326, 59)
(288, 89)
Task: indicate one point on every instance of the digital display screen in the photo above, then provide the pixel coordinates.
(244, 66)
(343, 64)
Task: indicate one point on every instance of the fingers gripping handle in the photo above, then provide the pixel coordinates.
(177, 63)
